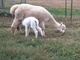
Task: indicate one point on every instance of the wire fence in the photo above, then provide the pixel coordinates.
(67, 5)
(8, 3)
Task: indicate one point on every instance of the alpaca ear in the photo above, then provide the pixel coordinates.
(61, 23)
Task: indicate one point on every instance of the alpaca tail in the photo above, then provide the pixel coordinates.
(13, 8)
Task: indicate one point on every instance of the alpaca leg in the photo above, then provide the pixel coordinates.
(13, 30)
(26, 31)
(17, 20)
(42, 25)
(36, 32)
(14, 26)
(40, 30)
(20, 28)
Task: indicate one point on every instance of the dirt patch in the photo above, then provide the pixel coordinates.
(6, 18)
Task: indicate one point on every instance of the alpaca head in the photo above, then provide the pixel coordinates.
(62, 27)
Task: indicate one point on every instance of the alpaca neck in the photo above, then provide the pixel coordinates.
(54, 22)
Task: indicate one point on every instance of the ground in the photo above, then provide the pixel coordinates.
(54, 47)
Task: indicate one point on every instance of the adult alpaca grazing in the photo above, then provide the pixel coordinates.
(26, 10)
(32, 22)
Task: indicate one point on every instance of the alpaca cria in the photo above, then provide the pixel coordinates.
(26, 10)
(32, 22)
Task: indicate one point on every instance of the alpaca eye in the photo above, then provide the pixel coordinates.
(62, 28)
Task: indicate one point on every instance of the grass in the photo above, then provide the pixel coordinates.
(4, 10)
(58, 11)
(54, 47)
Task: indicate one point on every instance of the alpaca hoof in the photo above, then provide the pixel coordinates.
(26, 36)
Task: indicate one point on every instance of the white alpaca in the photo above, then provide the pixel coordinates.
(26, 10)
(32, 22)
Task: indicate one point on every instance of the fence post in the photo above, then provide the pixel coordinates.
(71, 9)
(2, 3)
(65, 8)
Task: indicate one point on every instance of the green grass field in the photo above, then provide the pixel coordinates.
(54, 47)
